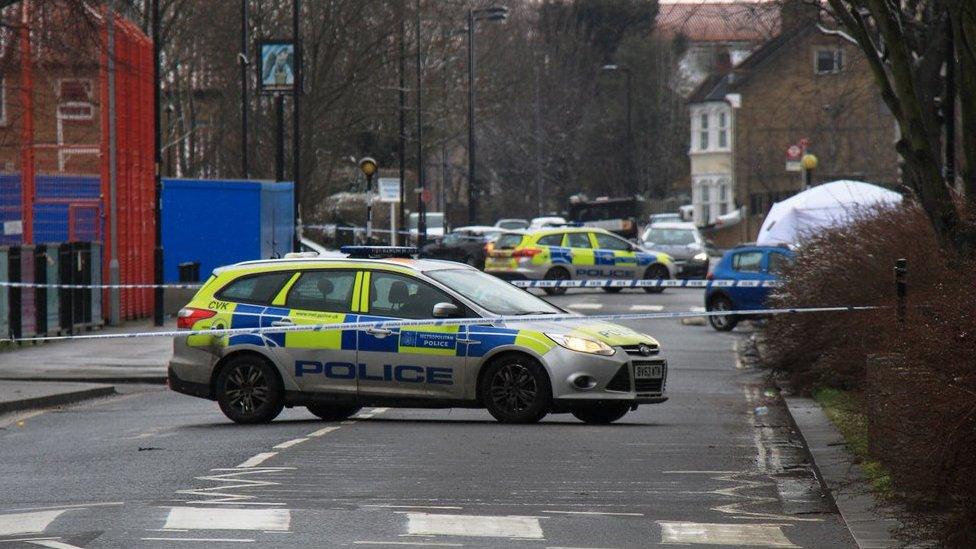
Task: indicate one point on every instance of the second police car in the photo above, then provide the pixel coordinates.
(519, 371)
(575, 253)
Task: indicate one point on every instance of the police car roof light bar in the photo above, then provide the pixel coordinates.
(367, 252)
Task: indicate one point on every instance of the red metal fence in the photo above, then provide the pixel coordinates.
(55, 147)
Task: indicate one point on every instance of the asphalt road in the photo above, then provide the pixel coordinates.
(716, 465)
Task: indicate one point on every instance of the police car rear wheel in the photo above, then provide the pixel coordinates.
(603, 414)
(610, 290)
(556, 274)
(333, 413)
(516, 390)
(721, 323)
(249, 391)
(655, 272)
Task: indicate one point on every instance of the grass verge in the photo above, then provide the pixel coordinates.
(844, 409)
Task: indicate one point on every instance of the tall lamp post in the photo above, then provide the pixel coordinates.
(368, 167)
(492, 13)
(630, 119)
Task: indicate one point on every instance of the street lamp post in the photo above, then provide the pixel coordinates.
(493, 13)
(157, 145)
(630, 119)
(368, 167)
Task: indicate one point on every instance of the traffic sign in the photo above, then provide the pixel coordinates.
(389, 188)
(793, 155)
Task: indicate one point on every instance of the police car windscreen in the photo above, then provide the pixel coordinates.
(673, 237)
(492, 294)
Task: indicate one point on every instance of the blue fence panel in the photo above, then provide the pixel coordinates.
(10, 205)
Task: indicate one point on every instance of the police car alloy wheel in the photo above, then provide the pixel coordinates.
(721, 323)
(249, 390)
(655, 272)
(556, 273)
(602, 415)
(515, 389)
(331, 412)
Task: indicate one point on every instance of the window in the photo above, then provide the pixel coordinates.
(829, 61)
(578, 240)
(724, 197)
(723, 130)
(322, 291)
(403, 297)
(551, 240)
(747, 262)
(706, 201)
(490, 293)
(508, 241)
(703, 131)
(610, 242)
(669, 237)
(255, 289)
(777, 262)
(75, 99)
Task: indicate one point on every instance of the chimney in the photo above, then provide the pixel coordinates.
(796, 14)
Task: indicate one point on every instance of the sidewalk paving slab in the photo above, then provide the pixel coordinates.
(24, 395)
(872, 523)
(136, 360)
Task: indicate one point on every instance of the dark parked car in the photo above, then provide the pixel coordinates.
(464, 244)
(760, 263)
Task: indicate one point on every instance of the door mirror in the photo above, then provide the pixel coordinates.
(445, 310)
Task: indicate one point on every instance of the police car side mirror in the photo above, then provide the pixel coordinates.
(445, 310)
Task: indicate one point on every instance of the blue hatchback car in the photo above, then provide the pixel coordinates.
(743, 263)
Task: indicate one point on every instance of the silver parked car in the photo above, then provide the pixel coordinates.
(683, 242)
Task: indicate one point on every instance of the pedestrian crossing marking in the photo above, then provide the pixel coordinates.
(222, 518)
(586, 306)
(426, 524)
(27, 523)
(760, 535)
(647, 307)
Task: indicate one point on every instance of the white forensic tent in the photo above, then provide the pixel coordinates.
(824, 206)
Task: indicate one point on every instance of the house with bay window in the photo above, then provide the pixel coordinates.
(810, 84)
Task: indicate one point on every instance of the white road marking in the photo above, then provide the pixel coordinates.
(53, 544)
(70, 506)
(763, 535)
(596, 513)
(322, 431)
(702, 472)
(563, 547)
(218, 518)
(218, 540)
(425, 524)
(647, 307)
(414, 543)
(366, 414)
(452, 507)
(347, 422)
(27, 523)
(257, 460)
(586, 306)
(696, 310)
(288, 444)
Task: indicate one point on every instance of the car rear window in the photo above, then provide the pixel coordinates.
(747, 262)
(508, 241)
(551, 240)
(260, 288)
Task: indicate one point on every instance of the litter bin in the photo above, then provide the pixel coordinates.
(189, 271)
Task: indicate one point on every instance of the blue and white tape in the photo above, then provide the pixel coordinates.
(647, 283)
(9, 284)
(389, 324)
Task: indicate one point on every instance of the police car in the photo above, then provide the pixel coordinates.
(519, 371)
(575, 253)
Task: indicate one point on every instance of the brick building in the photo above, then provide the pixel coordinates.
(808, 83)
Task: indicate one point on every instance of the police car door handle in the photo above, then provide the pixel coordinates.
(283, 322)
(378, 332)
(469, 341)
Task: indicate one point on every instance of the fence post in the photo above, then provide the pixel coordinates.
(901, 287)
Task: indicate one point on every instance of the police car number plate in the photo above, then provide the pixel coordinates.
(648, 371)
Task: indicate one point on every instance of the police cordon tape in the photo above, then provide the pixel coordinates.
(600, 283)
(389, 324)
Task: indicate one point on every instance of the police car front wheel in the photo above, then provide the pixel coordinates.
(249, 390)
(516, 389)
(603, 414)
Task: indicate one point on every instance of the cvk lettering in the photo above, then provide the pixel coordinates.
(403, 373)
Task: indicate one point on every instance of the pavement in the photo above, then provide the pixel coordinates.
(717, 465)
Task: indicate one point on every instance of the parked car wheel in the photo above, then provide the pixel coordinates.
(602, 415)
(330, 412)
(556, 273)
(249, 390)
(721, 323)
(515, 389)
(612, 290)
(656, 272)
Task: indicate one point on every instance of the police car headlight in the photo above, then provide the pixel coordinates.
(582, 344)
(701, 256)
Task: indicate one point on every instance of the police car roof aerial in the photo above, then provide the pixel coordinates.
(373, 252)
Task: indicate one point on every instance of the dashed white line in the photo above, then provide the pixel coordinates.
(289, 443)
(425, 524)
(596, 513)
(763, 535)
(453, 507)
(211, 540)
(217, 518)
(647, 307)
(27, 523)
(412, 543)
(53, 544)
(257, 460)
(322, 431)
(586, 306)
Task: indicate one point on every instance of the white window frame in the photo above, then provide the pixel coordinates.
(722, 129)
(838, 56)
(704, 139)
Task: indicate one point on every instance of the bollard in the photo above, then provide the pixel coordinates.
(901, 287)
